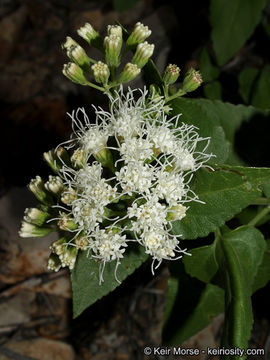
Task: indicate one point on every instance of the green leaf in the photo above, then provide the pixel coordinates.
(213, 90)
(191, 306)
(202, 264)
(208, 70)
(225, 192)
(246, 80)
(121, 5)
(242, 252)
(263, 274)
(85, 277)
(233, 22)
(261, 93)
(194, 114)
(152, 75)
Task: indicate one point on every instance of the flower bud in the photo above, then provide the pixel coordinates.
(176, 212)
(129, 73)
(114, 30)
(54, 185)
(66, 223)
(112, 44)
(51, 160)
(68, 196)
(78, 158)
(69, 44)
(101, 72)
(30, 230)
(171, 74)
(79, 57)
(35, 216)
(54, 263)
(74, 73)
(58, 246)
(62, 156)
(192, 80)
(143, 52)
(37, 187)
(88, 33)
(69, 256)
(138, 35)
(104, 156)
(81, 242)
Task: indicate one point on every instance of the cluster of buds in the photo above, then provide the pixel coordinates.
(107, 71)
(124, 178)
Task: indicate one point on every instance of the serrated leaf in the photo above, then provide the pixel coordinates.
(193, 113)
(225, 192)
(242, 252)
(85, 277)
(191, 306)
(263, 274)
(233, 22)
(202, 263)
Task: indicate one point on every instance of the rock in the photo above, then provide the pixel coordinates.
(10, 28)
(41, 349)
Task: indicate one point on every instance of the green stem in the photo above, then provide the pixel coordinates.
(96, 86)
(259, 216)
(261, 201)
(179, 93)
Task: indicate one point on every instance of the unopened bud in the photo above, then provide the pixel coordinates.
(58, 246)
(88, 33)
(104, 156)
(51, 160)
(143, 52)
(68, 258)
(35, 216)
(78, 158)
(129, 73)
(74, 73)
(81, 242)
(66, 223)
(54, 263)
(101, 72)
(114, 30)
(37, 187)
(54, 185)
(68, 196)
(176, 212)
(69, 43)
(138, 35)
(171, 74)
(30, 230)
(192, 80)
(79, 57)
(112, 46)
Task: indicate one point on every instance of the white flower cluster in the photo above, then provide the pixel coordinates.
(128, 173)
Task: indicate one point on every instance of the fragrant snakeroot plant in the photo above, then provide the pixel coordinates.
(148, 171)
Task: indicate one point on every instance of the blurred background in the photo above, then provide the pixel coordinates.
(229, 45)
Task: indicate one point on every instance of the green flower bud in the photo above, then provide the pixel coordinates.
(101, 72)
(143, 52)
(114, 30)
(54, 263)
(31, 230)
(171, 74)
(66, 223)
(54, 185)
(69, 256)
(88, 33)
(51, 160)
(68, 196)
(138, 35)
(112, 44)
(176, 212)
(104, 156)
(192, 80)
(79, 57)
(58, 246)
(69, 44)
(37, 187)
(74, 73)
(35, 216)
(129, 73)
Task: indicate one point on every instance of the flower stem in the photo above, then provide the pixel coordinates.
(261, 201)
(259, 216)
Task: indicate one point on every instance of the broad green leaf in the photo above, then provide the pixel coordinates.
(191, 307)
(261, 93)
(85, 277)
(208, 70)
(247, 79)
(233, 22)
(152, 75)
(266, 189)
(121, 5)
(213, 90)
(225, 192)
(242, 253)
(202, 263)
(263, 274)
(193, 113)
